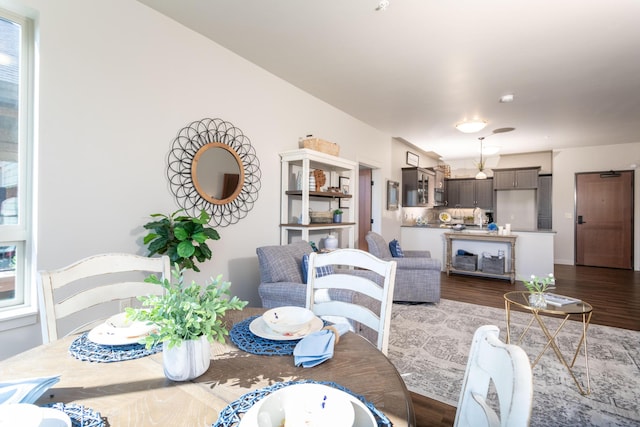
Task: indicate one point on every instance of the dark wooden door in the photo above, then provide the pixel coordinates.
(604, 219)
(364, 207)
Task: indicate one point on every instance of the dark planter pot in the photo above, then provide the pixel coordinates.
(337, 217)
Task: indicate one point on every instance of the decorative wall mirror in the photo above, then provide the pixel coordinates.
(212, 166)
(393, 189)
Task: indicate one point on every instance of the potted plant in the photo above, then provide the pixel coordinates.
(537, 287)
(187, 319)
(181, 237)
(337, 215)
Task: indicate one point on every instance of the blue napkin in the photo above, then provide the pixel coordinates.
(317, 347)
(26, 390)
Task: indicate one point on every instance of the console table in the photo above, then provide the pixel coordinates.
(508, 241)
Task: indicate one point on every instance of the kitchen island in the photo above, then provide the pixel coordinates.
(534, 248)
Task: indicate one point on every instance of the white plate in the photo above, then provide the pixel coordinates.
(444, 217)
(363, 417)
(260, 328)
(117, 331)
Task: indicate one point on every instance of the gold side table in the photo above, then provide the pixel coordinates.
(581, 308)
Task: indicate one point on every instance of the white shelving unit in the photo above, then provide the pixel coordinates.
(296, 203)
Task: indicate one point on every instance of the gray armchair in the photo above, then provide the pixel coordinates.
(281, 281)
(417, 274)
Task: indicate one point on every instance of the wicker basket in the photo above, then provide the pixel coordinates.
(466, 262)
(321, 217)
(321, 145)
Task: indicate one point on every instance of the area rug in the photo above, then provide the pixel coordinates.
(429, 345)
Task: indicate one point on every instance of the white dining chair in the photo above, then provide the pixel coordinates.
(507, 367)
(319, 289)
(72, 295)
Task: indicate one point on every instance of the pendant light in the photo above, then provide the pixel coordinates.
(481, 174)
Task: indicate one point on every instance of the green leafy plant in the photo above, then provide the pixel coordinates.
(186, 312)
(181, 237)
(539, 285)
(337, 212)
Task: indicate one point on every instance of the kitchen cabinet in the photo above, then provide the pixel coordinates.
(297, 198)
(470, 193)
(415, 187)
(515, 178)
(544, 202)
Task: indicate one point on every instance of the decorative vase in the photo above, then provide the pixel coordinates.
(337, 217)
(312, 182)
(330, 242)
(299, 180)
(186, 361)
(536, 300)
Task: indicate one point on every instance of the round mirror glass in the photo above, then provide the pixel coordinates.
(217, 173)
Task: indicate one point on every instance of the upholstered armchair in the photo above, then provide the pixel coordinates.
(417, 274)
(282, 282)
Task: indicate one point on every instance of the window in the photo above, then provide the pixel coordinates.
(16, 167)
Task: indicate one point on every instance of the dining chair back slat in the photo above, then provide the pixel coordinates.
(94, 281)
(318, 288)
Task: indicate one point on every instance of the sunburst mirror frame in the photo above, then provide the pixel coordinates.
(188, 146)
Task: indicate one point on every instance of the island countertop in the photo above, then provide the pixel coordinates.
(471, 228)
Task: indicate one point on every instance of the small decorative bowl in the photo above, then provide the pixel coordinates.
(288, 319)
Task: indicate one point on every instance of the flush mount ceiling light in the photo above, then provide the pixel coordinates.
(383, 5)
(507, 98)
(471, 126)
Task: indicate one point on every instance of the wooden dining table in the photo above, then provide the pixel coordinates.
(136, 392)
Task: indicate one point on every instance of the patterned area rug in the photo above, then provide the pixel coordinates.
(429, 345)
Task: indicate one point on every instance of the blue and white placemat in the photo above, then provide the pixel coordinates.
(80, 415)
(245, 340)
(84, 349)
(230, 415)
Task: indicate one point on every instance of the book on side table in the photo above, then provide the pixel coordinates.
(559, 300)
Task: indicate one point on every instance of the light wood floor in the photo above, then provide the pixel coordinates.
(614, 295)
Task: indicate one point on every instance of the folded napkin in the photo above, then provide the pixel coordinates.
(26, 390)
(317, 347)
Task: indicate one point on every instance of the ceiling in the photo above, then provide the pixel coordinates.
(416, 69)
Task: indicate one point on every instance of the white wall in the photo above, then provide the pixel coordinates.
(117, 82)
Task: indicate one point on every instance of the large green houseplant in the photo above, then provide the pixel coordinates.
(181, 237)
(187, 319)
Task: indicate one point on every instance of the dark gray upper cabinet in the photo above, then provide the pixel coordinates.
(515, 179)
(470, 193)
(415, 187)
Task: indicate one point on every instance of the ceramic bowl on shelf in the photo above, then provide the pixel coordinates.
(288, 319)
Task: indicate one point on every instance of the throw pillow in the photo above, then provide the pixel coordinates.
(394, 247)
(325, 270)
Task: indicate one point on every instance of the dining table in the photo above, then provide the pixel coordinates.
(137, 393)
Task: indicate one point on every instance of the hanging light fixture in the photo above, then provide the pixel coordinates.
(471, 126)
(481, 174)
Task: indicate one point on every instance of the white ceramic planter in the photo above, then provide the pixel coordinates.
(188, 360)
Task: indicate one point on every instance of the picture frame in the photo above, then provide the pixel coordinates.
(413, 159)
(344, 185)
(393, 191)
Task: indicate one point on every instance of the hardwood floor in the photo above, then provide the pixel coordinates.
(614, 295)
